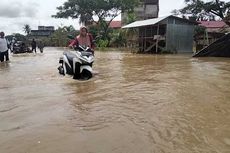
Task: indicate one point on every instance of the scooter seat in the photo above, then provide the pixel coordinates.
(69, 56)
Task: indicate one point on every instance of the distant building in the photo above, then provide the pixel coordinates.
(115, 25)
(51, 28)
(213, 26)
(146, 10)
(43, 31)
(112, 25)
(164, 34)
(213, 31)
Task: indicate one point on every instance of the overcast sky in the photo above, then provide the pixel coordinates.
(14, 14)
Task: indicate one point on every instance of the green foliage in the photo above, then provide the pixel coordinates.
(19, 37)
(86, 9)
(130, 34)
(131, 17)
(104, 10)
(102, 43)
(59, 37)
(118, 38)
(94, 30)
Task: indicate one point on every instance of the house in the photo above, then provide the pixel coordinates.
(219, 48)
(43, 31)
(213, 26)
(147, 9)
(213, 30)
(164, 34)
(115, 24)
(112, 25)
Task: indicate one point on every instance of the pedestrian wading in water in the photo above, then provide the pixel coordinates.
(33, 45)
(4, 53)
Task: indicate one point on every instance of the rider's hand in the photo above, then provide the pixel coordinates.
(71, 47)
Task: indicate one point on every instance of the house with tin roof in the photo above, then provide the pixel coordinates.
(212, 31)
(164, 34)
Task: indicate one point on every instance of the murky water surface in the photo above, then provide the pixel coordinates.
(133, 104)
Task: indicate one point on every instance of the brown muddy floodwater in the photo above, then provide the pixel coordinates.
(134, 104)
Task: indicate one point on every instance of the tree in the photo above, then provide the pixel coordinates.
(207, 10)
(131, 17)
(60, 36)
(101, 12)
(27, 29)
(130, 33)
(118, 38)
(18, 37)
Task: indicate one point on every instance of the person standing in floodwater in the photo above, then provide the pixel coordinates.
(33, 45)
(41, 46)
(3, 47)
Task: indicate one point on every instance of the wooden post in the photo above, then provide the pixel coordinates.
(145, 39)
(142, 39)
(158, 28)
(207, 37)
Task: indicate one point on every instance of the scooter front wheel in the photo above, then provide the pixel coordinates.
(86, 75)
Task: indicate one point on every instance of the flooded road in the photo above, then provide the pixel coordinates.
(134, 104)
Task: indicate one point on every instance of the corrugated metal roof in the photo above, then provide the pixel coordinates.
(144, 22)
(154, 21)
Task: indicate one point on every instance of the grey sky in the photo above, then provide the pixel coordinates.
(18, 9)
(16, 13)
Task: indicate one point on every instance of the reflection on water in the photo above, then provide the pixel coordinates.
(134, 104)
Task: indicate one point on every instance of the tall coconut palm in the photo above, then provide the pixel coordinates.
(27, 29)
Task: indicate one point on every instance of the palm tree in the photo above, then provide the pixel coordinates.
(27, 29)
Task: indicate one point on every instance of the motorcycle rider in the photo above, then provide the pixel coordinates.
(84, 39)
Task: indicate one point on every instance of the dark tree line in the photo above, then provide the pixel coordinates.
(206, 10)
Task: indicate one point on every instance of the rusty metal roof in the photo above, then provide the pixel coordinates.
(212, 24)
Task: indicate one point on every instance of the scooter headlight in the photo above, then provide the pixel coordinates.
(61, 60)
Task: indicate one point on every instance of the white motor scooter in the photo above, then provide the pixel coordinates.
(78, 63)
